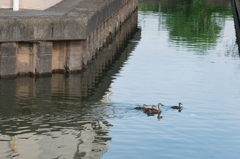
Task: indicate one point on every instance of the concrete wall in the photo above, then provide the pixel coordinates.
(30, 4)
(51, 56)
(76, 24)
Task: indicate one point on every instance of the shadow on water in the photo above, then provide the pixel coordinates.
(64, 116)
(196, 24)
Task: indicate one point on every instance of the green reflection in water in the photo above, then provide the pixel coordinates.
(195, 24)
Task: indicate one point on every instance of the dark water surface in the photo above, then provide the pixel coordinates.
(181, 51)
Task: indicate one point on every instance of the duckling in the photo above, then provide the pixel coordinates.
(144, 107)
(154, 111)
(177, 107)
(153, 106)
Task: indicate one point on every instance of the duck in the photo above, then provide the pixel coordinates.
(153, 107)
(177, 107)
(143, 107)
(152, 110)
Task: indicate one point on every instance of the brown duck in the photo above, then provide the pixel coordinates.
(152, 110)
(143, 107)
(153, 106)
(177, 107)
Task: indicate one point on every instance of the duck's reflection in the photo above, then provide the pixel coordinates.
(159, 117)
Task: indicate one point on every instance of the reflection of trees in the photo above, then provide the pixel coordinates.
(193, 23)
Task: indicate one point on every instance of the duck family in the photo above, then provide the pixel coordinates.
(144, 107)
(156, 111)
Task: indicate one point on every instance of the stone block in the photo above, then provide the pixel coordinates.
(74, 55)
(24, 58)
(8, 53)
(44, 58)
(59, 56)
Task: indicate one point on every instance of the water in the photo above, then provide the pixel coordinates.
(181, 51)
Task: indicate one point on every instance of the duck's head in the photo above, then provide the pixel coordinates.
(160, 104)
(180, 103)
(144, 105)
(153, 106)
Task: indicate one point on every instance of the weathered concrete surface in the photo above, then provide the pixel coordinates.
(25, 55)
(74, 56)
(30, 4)
(44, 58)
(59, 55)
(8, 54)
(89, 33)
(74, 25)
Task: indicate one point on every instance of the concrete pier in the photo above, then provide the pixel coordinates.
(30, 4)
(59, 40)
(236, 15)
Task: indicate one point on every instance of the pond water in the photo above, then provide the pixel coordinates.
(180, 51)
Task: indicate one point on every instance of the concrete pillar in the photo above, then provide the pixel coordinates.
(129, 9)
(122, 14)
(8, 53)
(96, 40)
(113, 26)
(44, 58)
(74, 55)
(106, 26)
(59, 56)
(92, 46)
(110, 29)
(88, 49)
(85, 53)
(25, 59)
(117, 24)
(104, 32)
(99, 37)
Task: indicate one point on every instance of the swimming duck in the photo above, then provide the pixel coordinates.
(153, 106)
(152, 110)
(177, 107)
(144, 107)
